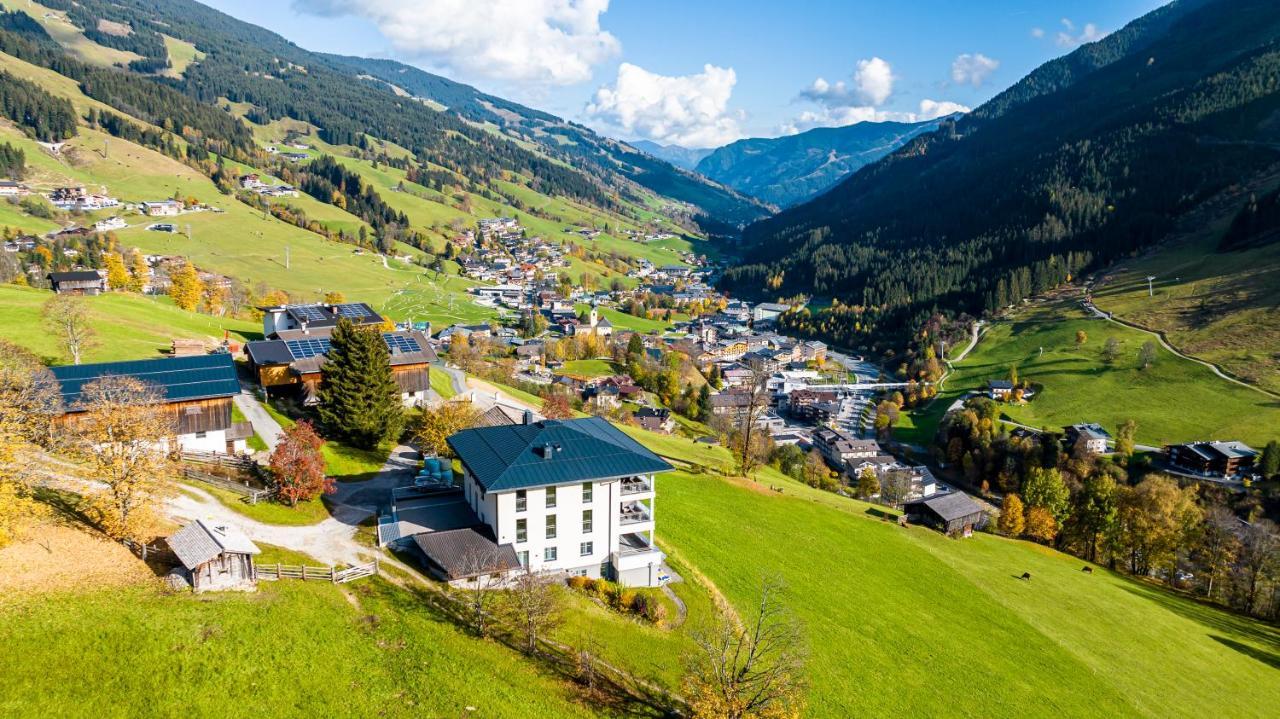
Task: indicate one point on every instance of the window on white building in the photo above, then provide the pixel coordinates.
(549, 554)
(522, 500)
(522, 530)
(587, 549)
(551, 526)
(523, 558)
(551, 497)
(587, 490)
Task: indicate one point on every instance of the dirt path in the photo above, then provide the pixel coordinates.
(682, 612)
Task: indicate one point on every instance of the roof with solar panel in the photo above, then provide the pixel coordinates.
(315, 316)
(306, 352)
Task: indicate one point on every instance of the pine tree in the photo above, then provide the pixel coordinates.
(359, 397)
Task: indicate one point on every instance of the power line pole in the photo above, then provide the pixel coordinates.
(286, 257)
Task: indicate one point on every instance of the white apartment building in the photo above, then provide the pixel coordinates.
(574, 496)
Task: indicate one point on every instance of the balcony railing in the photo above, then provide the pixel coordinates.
(634, 513)
(637, 486)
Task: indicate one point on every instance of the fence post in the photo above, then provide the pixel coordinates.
(304, 572)
(277, 570)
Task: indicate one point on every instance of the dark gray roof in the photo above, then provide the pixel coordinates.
(203, 540)
(467, 552)
(551, 452)
(950, 506)
(76, 276)
(180, 379)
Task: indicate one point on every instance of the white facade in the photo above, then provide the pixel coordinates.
(598, 528)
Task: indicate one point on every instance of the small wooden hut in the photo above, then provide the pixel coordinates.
(953, 513)
(217, 556)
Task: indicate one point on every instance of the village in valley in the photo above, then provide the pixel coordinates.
(332, 385)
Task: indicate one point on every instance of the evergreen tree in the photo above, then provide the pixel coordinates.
(359, 397)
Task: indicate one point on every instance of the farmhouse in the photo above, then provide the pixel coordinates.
(999, 389)
(161, 208)
(9, 188)
(278, 318)
(1223, 459)
(197, 391)
(216, 555)
(81, 282)
(292, 362)
(1093, 436)
(953, 514)
(655, 419)
(573, 496)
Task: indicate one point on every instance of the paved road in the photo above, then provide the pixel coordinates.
(264, 424)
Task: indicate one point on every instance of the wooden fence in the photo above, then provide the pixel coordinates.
(251, 494)
(278, 571)
(218, 459)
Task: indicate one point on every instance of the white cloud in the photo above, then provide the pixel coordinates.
(688, 110)
(972, 69)
(871, 84)
(851, 114)
(1069, 38)
(541, 42)
(1037, 32)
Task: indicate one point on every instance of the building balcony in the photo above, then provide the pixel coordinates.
(635, 551)
(636, 486)
(634, 513)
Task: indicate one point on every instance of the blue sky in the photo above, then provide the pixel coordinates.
(707, 72)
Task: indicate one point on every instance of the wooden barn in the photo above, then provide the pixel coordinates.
(217, 556)
(954, 513)
(197, 390)
(86, 282)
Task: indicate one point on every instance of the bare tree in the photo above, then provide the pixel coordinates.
(533, 607)
(68, 319)
(487, 573)
(751, 447)
(895, 487)
(754, 669)
(1258, 563)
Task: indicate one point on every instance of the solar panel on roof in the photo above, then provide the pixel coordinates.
(310, 314)
(352, 311)
(401, 343)
(302, 349)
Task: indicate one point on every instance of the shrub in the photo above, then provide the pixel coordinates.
(627, 599)
(580, 583)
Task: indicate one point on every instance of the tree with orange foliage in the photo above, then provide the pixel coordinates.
(297, 465)
(1041, 526)
(556, 406)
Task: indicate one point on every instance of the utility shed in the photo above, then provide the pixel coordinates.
(84, 282)
(953, 513)
(217, 556)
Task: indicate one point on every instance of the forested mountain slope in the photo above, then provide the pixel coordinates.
(794, 168)
(1086, 160)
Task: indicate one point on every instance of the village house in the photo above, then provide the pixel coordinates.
(999, 389)
(197, 392)
(655, 419)
(814, 406)
(109, 224)
(839, 447)
(573, 496)
(1093, 436)
(161, 208)
(79, 282)
(1221, 459)
(732, 404)
(293, 360)
(279, 318)
(9, 188)
(767, 312)
(216, 556)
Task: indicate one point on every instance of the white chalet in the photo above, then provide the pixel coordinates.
(574, 496)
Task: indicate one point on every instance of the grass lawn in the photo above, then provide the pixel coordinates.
(682, 449)
(1174, 400)
(291, 649)
(905, 622)
(128, 326)
(343, 463)
(268, 511)
(441, 383)
(623, 321)
(588, 368)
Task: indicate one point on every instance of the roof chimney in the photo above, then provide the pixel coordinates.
(546, 451)
(528, 416)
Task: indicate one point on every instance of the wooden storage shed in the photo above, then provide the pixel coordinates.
(216, 555)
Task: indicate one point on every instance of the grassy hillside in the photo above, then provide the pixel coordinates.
(1174, 400)
(292, 649)
(904, 622)
(1220, 307)
(128, 326)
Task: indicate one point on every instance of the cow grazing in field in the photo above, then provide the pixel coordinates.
(1087, 570)
(1026, 576)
